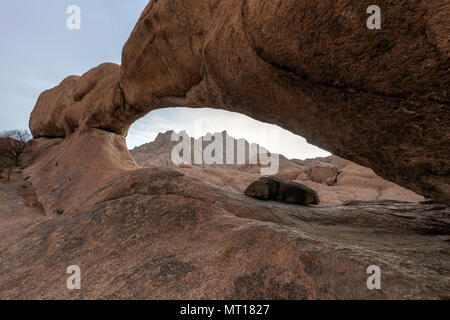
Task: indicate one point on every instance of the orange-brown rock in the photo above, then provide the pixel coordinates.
(17, 199)
(156, 233)
(282, 190)
(45, 117)
(377, 97)
(69, 175)
(93, 100)
(335, 179)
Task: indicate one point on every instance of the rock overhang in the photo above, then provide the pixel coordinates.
(329, 80)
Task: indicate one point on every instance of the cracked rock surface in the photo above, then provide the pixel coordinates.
(377, 98)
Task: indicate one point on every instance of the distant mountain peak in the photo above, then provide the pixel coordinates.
(158, 152)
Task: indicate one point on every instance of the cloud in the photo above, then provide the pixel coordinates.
(38, 51)
(198, 122)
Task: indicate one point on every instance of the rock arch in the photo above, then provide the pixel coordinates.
(377, 97)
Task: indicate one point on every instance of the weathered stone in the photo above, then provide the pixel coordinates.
(258, 190)
(278, 189)
(353, 182)
(158, 234)
(45, 117)
(379, 98)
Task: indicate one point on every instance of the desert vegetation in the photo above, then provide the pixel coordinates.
(13, 144)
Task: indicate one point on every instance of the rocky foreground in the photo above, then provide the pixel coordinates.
(379, 98)
(154, 233)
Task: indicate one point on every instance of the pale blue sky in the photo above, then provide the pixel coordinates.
(37, 51)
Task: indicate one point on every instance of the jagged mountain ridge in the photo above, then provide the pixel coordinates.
(158, 152)
(335, 179)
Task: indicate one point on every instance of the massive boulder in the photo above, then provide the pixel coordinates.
(377, 97)
(352, 182)
(278, 189)
(93, 100)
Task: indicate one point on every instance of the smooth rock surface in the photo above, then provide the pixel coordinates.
(93, 100)
(156, 233)
(377, 97)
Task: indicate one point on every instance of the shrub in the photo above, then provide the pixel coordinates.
(12, 146)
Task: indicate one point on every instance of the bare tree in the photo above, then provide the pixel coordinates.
(12, 146)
